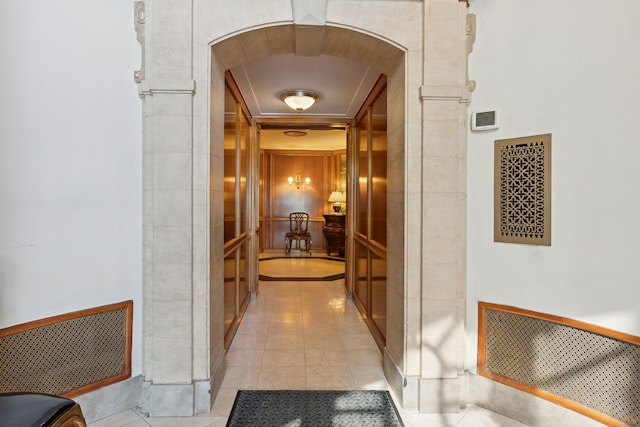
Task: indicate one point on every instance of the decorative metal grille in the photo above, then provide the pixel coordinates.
(581, 366)
(523, 190)
(66, 354)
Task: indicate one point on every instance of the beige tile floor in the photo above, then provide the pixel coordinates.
(303, 335)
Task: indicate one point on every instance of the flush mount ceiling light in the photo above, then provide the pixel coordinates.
(295, 133)
(299, 100)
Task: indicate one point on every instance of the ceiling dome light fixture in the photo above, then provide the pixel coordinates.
(295, 133)
(299, 100)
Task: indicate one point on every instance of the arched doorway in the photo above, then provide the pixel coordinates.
(187, 52)
(370, 240)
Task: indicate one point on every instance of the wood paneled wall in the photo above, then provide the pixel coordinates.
(370, 237)
(279, 199)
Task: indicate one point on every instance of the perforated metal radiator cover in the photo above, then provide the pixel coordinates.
(62, 354)
(593, 370)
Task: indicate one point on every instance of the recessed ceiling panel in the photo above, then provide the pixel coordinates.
(342, 84)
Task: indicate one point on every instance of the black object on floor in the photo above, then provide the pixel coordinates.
(38, 409)
(314, 408)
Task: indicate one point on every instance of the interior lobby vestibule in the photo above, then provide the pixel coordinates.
(190, 249)
(362, 174)
(254, 181)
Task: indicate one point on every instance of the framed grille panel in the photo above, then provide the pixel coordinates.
(522, 190)
(592, 370)
(70, 354)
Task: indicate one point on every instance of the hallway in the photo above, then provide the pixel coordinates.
(303, 335)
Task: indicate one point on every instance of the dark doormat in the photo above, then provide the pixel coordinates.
(313, 408)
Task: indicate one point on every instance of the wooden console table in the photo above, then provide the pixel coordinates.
(333, 230)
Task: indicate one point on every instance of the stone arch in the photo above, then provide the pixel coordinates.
(337, 41)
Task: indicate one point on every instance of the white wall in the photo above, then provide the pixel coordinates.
(70, 160)
(569, 68)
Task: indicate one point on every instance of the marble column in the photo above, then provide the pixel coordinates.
(444, 95)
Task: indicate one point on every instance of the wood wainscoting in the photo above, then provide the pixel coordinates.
(279, 199)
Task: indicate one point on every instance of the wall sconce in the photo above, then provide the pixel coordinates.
(297, 182)
(299, 100)
(337, 198)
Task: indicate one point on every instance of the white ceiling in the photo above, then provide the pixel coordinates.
(342, 84)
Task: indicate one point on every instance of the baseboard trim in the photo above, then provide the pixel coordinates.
(110, 399)
(521, 406)
(404, 388)
(217, 377)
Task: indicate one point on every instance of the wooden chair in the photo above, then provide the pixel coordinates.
(298, 231)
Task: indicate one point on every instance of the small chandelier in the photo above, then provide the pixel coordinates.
(298, 182)
(299, 100)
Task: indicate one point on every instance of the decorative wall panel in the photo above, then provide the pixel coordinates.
(586, 368)
(68, 354)
(522, 194)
